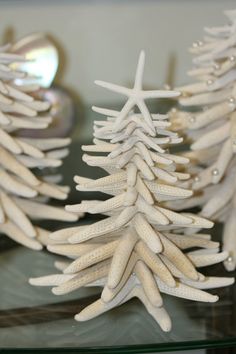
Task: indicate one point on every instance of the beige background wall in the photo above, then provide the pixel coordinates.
(101, 39)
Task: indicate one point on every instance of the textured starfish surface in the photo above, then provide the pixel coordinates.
(24, 187)
(212, 128)
(136, 250)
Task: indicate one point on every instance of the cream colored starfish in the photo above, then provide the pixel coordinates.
(21, 189)
(134, 251)
(136, 95)
(212, 128)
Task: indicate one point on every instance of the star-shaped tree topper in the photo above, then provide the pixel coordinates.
(136, 95)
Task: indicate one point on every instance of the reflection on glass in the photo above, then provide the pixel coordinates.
(35, 318)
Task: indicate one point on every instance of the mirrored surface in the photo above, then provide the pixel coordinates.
(33, 318)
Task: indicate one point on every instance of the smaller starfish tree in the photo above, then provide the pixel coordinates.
(134, 251)
(24, 186)
(212, 128)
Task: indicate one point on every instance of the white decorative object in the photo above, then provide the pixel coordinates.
(24, 188)
(42, 59)
(136, 251)
(212, 128)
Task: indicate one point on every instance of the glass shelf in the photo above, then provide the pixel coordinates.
(35, 320)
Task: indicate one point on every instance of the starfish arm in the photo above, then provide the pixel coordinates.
(143, 190)
(222, 197)
(155, 264)
(61, 265)
(108, 294)
(142, 124)
(146, 115)
(15, 233)
(120, 259)
(187, 292)
(143, 167)
(98, 207)
(51, 280)
(123, 113)
(148, 141)
(159, 94)
(152, 212)
(217, 31)
(139, 71)
(159, 314)
(82, 278)
(148, 282)
(223, 161)
(177, 258)
(98, 254)
(70, 250)
(99, 307)
(115, 88)
(147, 233)
(15, 214)
(210, 282)
(213, 137)
(205, 259)
(145, 153)
(229, 240)
(105, 111)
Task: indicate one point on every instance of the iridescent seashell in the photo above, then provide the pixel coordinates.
(62, 111)
(42, 58)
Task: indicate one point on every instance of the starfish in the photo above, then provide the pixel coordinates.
(136, 95)
(141, 283)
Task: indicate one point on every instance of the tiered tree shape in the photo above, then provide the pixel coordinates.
(134, 251)
(24, 187)
(212, 128)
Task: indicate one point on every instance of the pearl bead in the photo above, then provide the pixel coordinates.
(197, 44)
(216, 66)
(196, 179)
(229, 259)
(232, 58)
(231, 100)
(167, 87)
(192, 119)
(209, 82)
(215, 172)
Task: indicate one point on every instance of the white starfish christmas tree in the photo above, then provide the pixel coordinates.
(134, 251)
(212, 128)
(24, 188)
